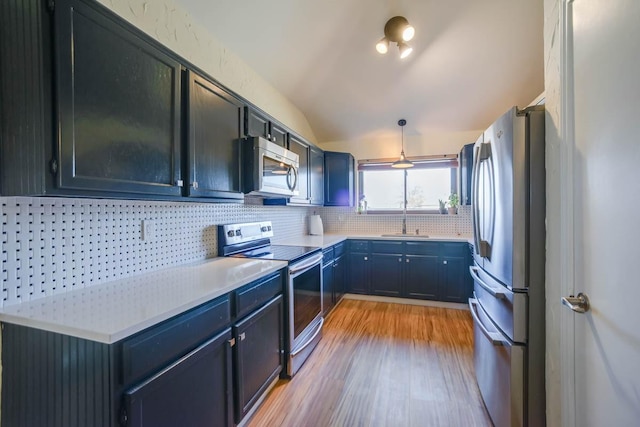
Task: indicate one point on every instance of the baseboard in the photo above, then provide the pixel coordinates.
(408, 301)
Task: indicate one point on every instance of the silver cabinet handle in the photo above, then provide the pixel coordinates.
(366, 258)
(495, 337)
(497, 293)
(242, 336)
(269, 136)
(179, 183)
(579, 304)
(444, 262)
(407, 259)
(399, 259)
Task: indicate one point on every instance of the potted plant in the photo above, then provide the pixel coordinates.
(453, 203)
(443, 209)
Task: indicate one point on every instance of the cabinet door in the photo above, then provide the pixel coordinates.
(118, 106)
(453, 279)
(328, 288)
(255, 124)
(278, 134)
(316, 179)
(421, 276)
(386, 274)
(358, 273)
(302, 150)
(339, 278)
(194, 391)
(338, 179)
(258, 354)
(213, 140)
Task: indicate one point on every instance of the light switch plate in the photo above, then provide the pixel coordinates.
(148, 232)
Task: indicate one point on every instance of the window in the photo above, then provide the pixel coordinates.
(423, 185)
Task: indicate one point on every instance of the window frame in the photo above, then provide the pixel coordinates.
(449, 161)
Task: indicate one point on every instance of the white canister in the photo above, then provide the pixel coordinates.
(315, 225)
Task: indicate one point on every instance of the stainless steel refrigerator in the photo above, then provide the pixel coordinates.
(509, 256)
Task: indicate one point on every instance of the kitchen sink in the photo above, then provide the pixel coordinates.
(407, 236)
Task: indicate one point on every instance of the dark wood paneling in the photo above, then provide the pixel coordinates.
(25, 96)
(54, 380)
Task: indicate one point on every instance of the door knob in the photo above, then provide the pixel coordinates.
(579, 304)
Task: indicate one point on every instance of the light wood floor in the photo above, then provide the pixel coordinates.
(381, 364)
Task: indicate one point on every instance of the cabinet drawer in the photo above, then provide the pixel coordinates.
(386, 247)
(339, 249)
(359, 246)
(159, 345)
(454, 249)
(422, 248)
(257, 293)
(327, 255)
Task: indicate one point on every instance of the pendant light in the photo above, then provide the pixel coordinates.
(402, 163)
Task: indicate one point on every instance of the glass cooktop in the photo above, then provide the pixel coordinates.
(279, 252)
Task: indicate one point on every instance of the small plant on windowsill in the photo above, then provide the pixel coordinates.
(453, 203)
(442, 207)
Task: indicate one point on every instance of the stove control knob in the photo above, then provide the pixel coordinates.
(238, 233)
(263, 229)
(230, 233)
(269, 228)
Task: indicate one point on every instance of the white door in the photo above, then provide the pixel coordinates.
(606, 105)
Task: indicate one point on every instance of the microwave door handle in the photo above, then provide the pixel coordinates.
(295, 178)
(476, 193)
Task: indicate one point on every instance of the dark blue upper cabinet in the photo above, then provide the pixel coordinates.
(118, 106)
(339, 179)
(214, 133)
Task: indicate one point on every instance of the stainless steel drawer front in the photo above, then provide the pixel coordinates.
(499, 370)
(507, 309)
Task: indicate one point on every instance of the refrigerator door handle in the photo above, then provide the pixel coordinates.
(496, 293)
(484, 155)
(476, 194)
(496, 338)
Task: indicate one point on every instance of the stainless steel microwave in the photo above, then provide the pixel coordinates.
(269, 170)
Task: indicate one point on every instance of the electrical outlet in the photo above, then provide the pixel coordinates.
(148, 230)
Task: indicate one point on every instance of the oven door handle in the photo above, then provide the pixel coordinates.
(310, 340)
(304, 265)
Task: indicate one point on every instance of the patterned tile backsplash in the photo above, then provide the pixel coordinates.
(52, 245)
(346, 220)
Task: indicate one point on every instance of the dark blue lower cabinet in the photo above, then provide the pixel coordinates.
(419, 270)
(258, 355)
(194, 391)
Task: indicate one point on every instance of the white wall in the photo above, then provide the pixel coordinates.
(389, 145)
(168, 23)
(553, 149)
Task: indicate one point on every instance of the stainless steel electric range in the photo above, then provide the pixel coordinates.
(303, 293)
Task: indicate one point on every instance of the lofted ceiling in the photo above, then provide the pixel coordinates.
(472, 59)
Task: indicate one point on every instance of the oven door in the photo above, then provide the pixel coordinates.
(305, 309)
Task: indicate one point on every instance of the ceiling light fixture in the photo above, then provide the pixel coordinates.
(397, 30)
(402, 163)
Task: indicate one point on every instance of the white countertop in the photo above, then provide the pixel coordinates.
(115, 310)
(328, 240)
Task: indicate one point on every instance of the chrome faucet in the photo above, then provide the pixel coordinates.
(404, 224)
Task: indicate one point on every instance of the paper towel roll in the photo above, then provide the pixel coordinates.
(315, 225)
